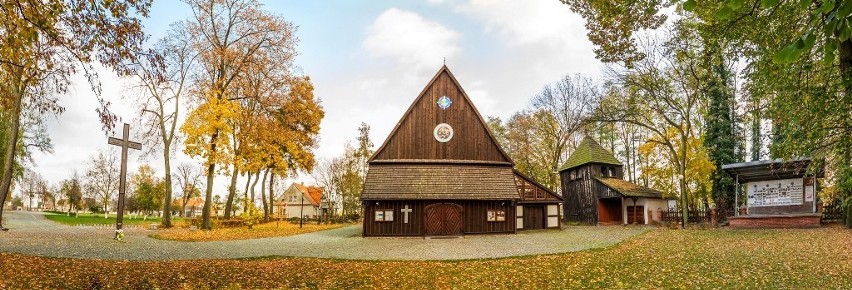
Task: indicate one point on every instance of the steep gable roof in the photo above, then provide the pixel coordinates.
(589, 151)
(312, 194)
(411, 140)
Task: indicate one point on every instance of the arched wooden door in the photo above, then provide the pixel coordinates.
(443, 219)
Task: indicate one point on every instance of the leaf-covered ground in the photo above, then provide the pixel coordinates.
(98, 219)
(265, 230)
(686, 259)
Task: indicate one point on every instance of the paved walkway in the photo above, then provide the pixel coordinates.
(31, 233)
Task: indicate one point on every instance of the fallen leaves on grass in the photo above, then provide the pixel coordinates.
(265, 230)
(661, 259)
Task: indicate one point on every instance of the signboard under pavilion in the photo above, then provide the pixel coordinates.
(778, 193)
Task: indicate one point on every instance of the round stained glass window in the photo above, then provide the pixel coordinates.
(443, 132)
(444, 102)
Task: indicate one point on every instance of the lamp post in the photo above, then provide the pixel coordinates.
(302, 211)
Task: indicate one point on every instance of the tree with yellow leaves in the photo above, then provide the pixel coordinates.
(229, 37)
(658, 168)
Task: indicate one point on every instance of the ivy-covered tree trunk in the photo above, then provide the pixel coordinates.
(844, 50)
(720, 138)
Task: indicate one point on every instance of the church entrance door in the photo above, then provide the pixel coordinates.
(443, 219)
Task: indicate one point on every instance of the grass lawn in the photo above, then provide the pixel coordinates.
(98, 219)
(266, 230)
(660, 259)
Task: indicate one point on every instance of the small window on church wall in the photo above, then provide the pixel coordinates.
(496, 215)
(611, 171)
(384, 215)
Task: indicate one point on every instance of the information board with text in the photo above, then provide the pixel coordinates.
(775, 192)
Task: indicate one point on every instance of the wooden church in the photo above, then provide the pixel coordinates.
(441, 173)
(595, 191)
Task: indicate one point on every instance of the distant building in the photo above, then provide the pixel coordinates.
(300, 200)
(194, 207)
(596, 193)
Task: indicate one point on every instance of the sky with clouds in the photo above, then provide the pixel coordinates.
(368, 61)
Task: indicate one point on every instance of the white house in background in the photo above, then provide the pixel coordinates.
(298, 200)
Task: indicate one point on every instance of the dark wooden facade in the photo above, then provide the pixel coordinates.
(594, 188)
(464, 185)
(539, 207)
(474, 217)
(412, 139)
(581, 191)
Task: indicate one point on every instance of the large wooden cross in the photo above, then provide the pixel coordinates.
(125, 143)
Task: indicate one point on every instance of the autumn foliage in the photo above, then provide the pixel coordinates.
(265, 230)
(661, 259)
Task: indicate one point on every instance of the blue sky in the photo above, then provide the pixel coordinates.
(368, 61)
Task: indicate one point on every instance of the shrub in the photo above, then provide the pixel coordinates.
(251, 215)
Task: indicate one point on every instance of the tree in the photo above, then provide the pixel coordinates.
(71, 189)
(189, 181)
(720, 137)
(102, 176)
(228, 36)
(660, 93)
(34, 185)
(662, 175)
(50, 41)
(529, 146)
(563, 107)
(797, 57)
(149, 191)
(329, 175)
(162, 78)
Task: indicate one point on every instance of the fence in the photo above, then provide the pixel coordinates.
(695, 216)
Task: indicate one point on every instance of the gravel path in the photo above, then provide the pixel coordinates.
(31, 233)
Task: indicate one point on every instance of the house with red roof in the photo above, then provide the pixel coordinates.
(300, 200)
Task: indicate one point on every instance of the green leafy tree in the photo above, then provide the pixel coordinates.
(72, 190)
(720, 136)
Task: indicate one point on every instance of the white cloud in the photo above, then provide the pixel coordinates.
(545, 35)
(410, 39)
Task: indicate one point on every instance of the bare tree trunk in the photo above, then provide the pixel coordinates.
(682, 171)
(167, 200)
(246, 191)
(271, 195)
(253, 186)
(263, 195)
(208, 193)
(11, 143)
(232, 190)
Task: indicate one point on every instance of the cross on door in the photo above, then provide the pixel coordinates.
(405, 211)
(124, 143)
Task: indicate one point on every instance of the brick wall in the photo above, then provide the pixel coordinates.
(808, 221)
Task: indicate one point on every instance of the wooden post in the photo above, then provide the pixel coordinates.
(125, 143)
(737, 195)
